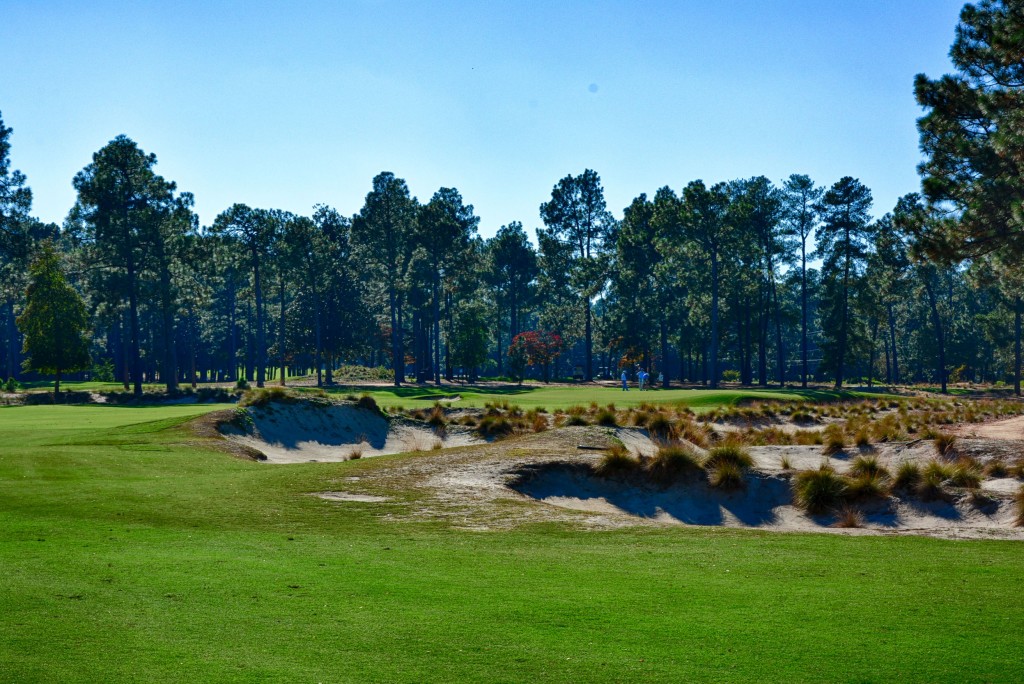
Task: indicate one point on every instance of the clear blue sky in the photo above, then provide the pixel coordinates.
(289, 104)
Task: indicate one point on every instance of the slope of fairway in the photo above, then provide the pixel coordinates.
(129, 552)
(562, 396)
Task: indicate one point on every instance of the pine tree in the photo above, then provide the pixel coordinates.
(55, 321)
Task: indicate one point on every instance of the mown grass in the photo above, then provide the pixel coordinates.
(122, 562)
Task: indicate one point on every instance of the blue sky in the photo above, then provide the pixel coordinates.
(286, 105)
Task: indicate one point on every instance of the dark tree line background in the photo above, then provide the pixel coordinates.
(751, 280)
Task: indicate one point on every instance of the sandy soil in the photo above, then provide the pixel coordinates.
(546, 477)
(1008, 428)
(304, 432)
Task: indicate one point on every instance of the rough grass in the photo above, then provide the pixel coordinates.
(908, 475)
(725, 475)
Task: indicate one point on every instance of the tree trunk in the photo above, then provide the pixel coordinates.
(133, 317)
(397, 356)
(232, 333)
(12, 342)
(1016, 347)
(714, 320)
(664, 353)
(170, 365)
(56, 386)
(437, 331)
(261, 337)
(841, 360)
(939, 337)
(892, 345)
(589, 373)
(281, 334)
(803, 309)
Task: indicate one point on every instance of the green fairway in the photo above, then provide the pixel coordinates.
(561, 396)
(130, 553)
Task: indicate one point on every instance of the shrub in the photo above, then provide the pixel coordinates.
(576, 419)
(848, 517)
(640, 418)
(945, 444)
(965, 474)
(368, 403)
(672, 462)
(735, 455)
(660, 426)
(997, 468)
(932, 476)
(862, 438)
(865, 487)
(618, 461)
(242, 384)
(726, 475)
(834, 440)
(265, 395)
(606, 418)
(908, 475)
(539, 424)
(868, 466)
(807, 437)
(816, 491)
(1018, 501)
(494, 426)
(437, 418)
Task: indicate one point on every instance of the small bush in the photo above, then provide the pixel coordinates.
(736, 455)
(932, 476)
(368, 403)
(945, 444)
(660, 426)
(862, 438)
(672, 462)
(726, 475)
(606, 418)
(437, 418)
(908, 475)
(834, 440)
(576, 419)
(1018, 501)
(817, 491)
(242, 384)
(865, 487)
(965, 474)
(640, 418)
(539, 423)
(848, 517)
(618, 461)
(867, 466)
(807, 437)
(265, 395)
(494, 426)
(997, 468)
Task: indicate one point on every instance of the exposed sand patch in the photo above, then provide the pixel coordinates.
(545, 477)
(302, 432)
(1008, 428)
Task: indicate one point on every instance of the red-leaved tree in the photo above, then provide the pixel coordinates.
(537, 348)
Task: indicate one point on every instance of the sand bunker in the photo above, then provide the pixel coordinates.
(303, 432)
(766, 502)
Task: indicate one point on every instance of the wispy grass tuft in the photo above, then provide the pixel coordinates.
(819, 490)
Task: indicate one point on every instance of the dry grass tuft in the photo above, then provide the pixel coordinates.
(868, 466)
(834, 440)
(908, 476)
(726, 475)
(1018, 501)
(729, 453)
(618, 461)
(945, 444)
(817, 491)
(606, 417)
(673, 462)
(848, 517)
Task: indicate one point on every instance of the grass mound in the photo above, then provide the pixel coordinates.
(494, 426)
(264, 395)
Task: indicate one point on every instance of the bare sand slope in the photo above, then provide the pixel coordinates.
(302, 432)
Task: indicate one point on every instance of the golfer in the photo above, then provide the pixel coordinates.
(625, 380)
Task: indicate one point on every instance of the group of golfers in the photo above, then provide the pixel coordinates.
(643, 379)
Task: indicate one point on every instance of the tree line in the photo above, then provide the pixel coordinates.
(750, 280)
